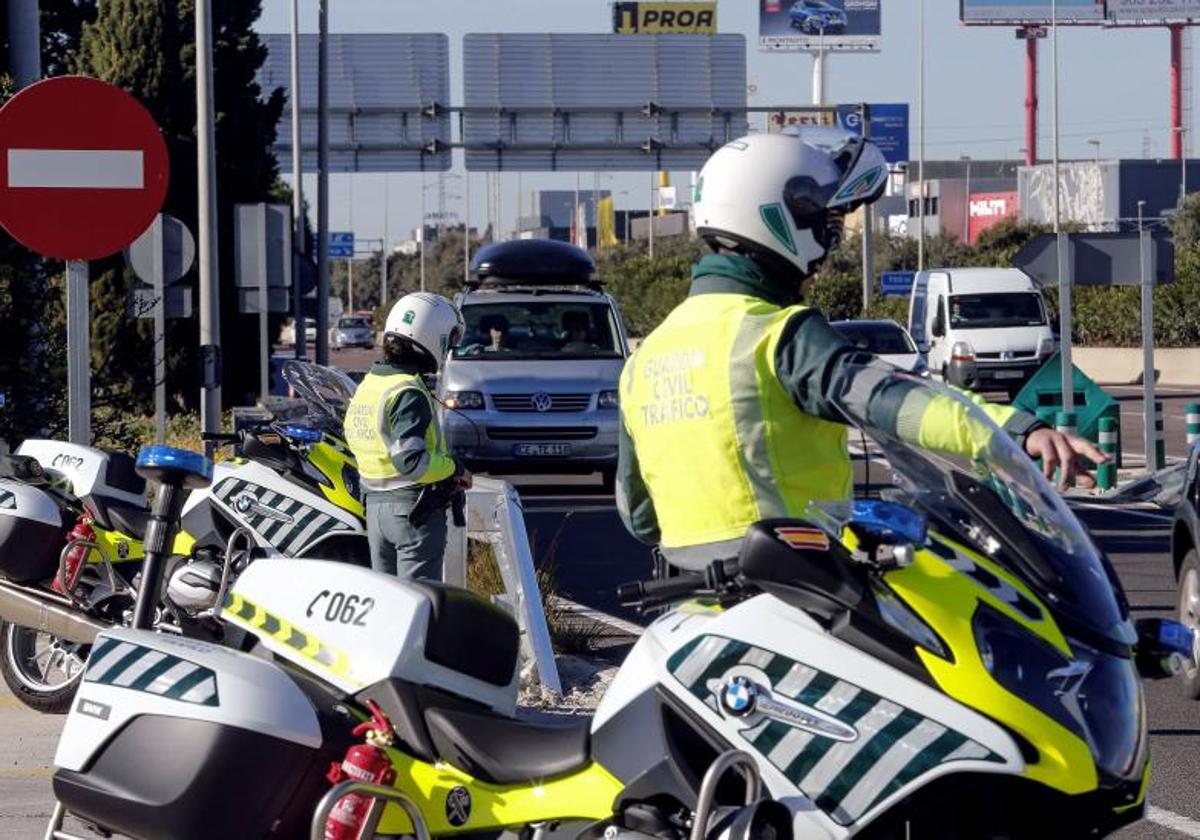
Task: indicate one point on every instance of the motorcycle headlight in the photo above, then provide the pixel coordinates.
(1095, 695)
(464, 400)
(608, 399)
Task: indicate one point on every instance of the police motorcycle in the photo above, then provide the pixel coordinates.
(73, 520)
(956, 659)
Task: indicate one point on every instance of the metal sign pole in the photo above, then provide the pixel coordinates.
(650, 216)
(322, 183)
(1148, 413)
(79, 355)
(868, 245)
(160, 329)
(264, 346)
(466, 226)
(350, 284)
(1066, 268)
(206, 172)
(297, 191)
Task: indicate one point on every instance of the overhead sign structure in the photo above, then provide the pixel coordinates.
(1153, 11)
(820, 25)
(341, 245)
(388, 95)
(889, 125)
(600, 102)
(83, 168)
(673, 18)
(1035, 12)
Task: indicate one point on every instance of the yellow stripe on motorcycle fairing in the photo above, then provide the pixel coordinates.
(331, 461)
(118, 547)
(587, 794)
(1141, 795)
(946, 599)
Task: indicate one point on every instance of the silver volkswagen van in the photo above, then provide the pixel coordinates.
(532, 388)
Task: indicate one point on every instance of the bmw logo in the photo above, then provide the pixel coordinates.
(243, 503)
(739, 696)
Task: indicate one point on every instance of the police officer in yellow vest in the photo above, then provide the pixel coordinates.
(393, 431)
(728, 407)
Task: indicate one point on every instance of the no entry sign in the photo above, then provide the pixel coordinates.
(83, 168)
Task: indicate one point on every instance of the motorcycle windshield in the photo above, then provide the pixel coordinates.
(971, 475)
(326, 392)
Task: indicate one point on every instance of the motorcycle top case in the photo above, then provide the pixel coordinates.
(89, 471)
(32, 533)
(353, 628)
(173, 737)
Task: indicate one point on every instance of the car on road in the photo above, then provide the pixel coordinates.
(886, 339)
(351, 331)
(817, 16)
(1185, 553)
(532, 388)
(287, 336)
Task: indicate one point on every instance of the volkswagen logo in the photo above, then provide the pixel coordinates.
(541, 401)
(739, 697)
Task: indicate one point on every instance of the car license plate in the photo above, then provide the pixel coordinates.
(542, 450)
(1008, 374)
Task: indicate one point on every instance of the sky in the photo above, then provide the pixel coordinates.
(1113, 89)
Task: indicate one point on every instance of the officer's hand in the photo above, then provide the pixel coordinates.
(1062, 451)
(464, 481)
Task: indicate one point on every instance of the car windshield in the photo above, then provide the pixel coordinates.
(997, 501)
(539, 330)
(352, 323)
(879, 338)
(997, 309)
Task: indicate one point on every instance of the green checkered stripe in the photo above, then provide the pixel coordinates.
(895, 745)
(306, 525)
(128, 665)
(8, 500)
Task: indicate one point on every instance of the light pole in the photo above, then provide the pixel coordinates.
(967, 202)
(921, 141)
(1064, 248)
(206, 176)
(1095, 144)
(1182, 132)
(299, 245)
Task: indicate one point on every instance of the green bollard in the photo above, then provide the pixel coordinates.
(1193, 423)
(1064, 421)
(1106, 474)
(1160, 445)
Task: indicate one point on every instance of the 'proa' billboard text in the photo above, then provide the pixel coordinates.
(665, 18)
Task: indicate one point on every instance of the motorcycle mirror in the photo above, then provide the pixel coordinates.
(1164, 647)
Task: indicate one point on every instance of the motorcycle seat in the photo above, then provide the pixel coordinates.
(119, 516)
(469, 634)
(503, 751)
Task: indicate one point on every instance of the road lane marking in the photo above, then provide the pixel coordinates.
(26, 772)
(1175, 822)
(106, 169)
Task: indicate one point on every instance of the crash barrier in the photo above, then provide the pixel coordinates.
(1106, 474)
(1042, 397)
(1160, 445)
(1064, 421)
(494, 517)
(1193, 423)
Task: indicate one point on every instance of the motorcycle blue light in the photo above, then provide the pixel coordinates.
(889, 521)
(159, 462)
(301, 434)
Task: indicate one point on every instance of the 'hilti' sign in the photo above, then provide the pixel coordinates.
(988, 210)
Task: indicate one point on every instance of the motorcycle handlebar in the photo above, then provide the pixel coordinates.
(651, 592)
(220, 437)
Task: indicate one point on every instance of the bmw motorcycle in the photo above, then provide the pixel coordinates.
(956, 659)
(73, 520)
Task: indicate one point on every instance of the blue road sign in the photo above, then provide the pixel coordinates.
(889, 127)
(897, 283)
(341, 245)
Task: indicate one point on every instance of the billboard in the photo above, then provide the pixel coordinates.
(815, 25)
(1032, 11)
(889, 125)
(989, 209)
(673, 18)
(1153, 11)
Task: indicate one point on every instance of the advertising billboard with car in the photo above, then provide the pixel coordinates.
(1031, 11)
(818, 25)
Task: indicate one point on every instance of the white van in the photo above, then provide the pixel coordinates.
(985, 329)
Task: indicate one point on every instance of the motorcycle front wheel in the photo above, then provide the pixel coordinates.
(41, 670)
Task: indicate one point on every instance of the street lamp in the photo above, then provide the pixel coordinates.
(1096, 145)
(967, 202)
(1182, 131)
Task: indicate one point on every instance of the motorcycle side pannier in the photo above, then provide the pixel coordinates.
(32, 533)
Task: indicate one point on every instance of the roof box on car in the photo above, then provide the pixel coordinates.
(533, 262)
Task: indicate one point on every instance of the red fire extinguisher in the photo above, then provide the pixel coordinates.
(68, 573)
(366, 763)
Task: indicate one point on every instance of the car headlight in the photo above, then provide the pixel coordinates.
(1095, 695)
(962, 351)
(609, 399)
(1046, 347)
(464, 400)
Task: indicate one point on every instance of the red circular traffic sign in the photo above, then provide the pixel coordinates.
(83, 168)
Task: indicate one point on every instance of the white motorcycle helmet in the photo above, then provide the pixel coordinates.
(427, 321)
(783, 196)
